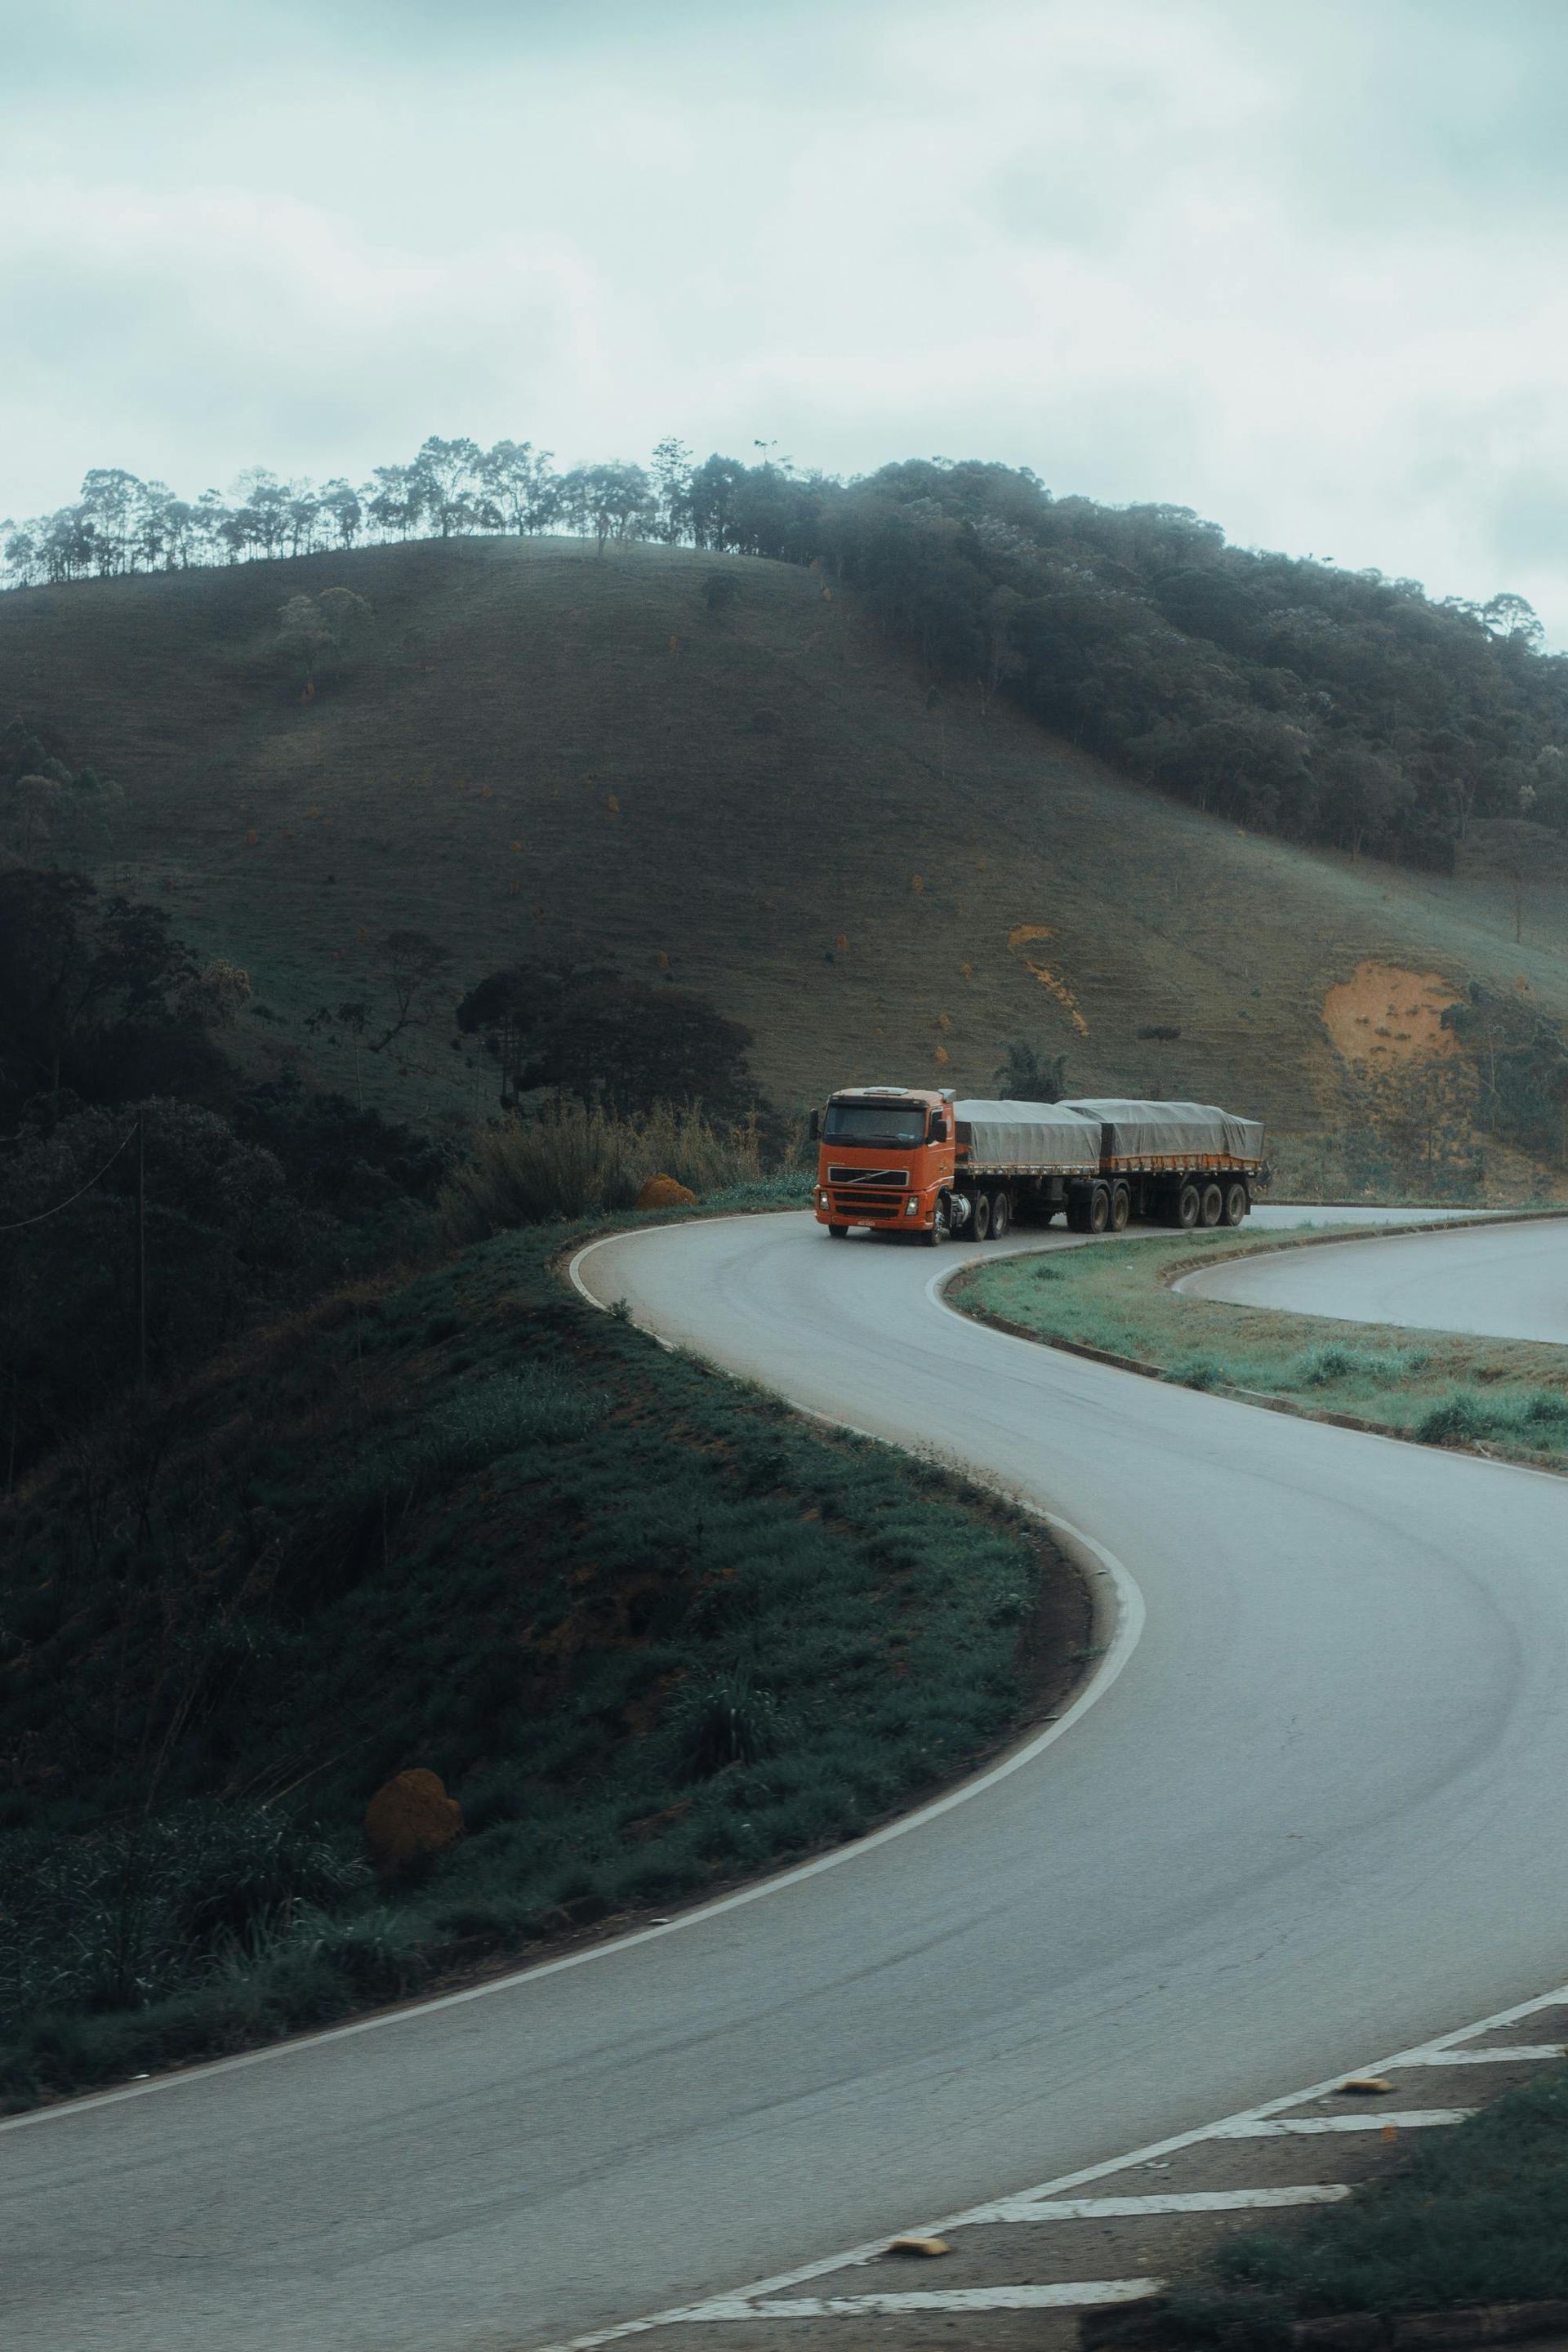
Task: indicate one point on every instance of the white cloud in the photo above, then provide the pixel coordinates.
(1296, 268)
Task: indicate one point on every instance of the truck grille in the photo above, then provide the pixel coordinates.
(862, 1201)
(856, 1176)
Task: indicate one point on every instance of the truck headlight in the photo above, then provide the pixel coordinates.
(823, 1201)
(912, 1205)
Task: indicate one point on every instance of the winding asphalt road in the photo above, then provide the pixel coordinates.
(1318, 1813)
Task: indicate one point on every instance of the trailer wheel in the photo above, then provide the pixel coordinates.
(1189, 1207)
(1214, 1204)
(979, 1223)
(836, 1233)
(1237, 1203)
(1099, 1210)
(1001, 1216)
(1121, 1207)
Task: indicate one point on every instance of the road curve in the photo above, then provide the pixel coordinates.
(1508, 1280)
(1318, 1814)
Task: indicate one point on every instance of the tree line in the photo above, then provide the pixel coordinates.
(1339, 709)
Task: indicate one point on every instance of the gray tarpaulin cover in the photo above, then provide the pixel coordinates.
(1146, 1130)
(1023, 1134)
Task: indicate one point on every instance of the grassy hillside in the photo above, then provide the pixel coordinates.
(543, 750)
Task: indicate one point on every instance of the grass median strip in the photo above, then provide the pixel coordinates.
(1443, 1388)
(653, 1632)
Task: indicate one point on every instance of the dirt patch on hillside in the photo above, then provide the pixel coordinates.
(1385, 1013)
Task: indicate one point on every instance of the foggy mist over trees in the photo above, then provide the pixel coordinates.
(1342, 709)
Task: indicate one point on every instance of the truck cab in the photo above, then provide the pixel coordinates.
(885, 1159)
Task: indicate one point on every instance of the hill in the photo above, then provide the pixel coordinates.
(540, 749)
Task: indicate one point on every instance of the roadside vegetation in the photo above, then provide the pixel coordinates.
(313, 1474)
(1475, 2215)
(1442, 1388)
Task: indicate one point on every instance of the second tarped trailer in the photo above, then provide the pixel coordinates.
(1176, 1138)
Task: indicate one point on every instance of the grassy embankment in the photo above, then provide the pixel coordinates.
(540, 751)
(1442, 1388)
(1474, 2216)
(654, 1632)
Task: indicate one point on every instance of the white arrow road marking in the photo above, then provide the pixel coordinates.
(1380, 2119)
(1522, 2054)
(1076, 2294)
(1177, 2200)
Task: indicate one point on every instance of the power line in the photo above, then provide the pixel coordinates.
(61, 1206)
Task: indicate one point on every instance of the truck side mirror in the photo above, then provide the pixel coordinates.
(939, 1131)
(813, 1126)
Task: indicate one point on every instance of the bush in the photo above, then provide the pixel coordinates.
(1320, 1367)
(724, 1717)
(1454, 1420)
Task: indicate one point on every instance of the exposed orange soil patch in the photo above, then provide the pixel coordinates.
(1383, 1011)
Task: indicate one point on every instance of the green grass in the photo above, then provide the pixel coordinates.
(654, 1631)
(1442, 1388)
(1475, 2215)
(783, 776)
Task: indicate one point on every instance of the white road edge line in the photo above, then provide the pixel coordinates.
(1124, 1638)
(742, 2296)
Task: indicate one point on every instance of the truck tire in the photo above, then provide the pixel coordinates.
(1099, 1209)
(1121, 1207)
(1237, 1203)
(1189, 1207)
(836, 1233)
(980, 1223)
(1212, 1204)
(1001, 1216)
(936, 1233)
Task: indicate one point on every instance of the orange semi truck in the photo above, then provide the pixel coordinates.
(912, 1160)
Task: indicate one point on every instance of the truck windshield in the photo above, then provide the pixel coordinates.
(874, 1122)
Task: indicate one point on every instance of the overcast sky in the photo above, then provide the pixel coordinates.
(1295, 264)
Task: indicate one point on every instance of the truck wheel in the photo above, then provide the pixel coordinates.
(836, 1233)
(1121, 1208)
(980, 1223)
(936, 1232)
(1212, 1204)
(1237, 1203)
(1189, 1207)
(1099, 1209)
(1001, 1216)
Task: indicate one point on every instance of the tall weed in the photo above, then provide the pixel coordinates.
(566, 1160)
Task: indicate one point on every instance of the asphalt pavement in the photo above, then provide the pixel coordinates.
(1510, 1280)
(1317, 1810)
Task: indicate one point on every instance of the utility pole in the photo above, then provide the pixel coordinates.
(141, 1253)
